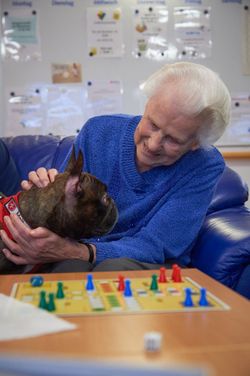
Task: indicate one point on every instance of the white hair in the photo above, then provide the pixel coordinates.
(202, 93)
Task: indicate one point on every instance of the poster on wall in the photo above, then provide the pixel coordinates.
(150, 33)
(60, 109)
(104, 32)
(65, 109)
(104, 97)
(25, 112)
(66, 73)
(238, 131)
(21, 41)
(193, 31)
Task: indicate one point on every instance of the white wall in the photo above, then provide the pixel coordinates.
(63, 39)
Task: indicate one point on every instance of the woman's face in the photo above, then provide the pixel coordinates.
(164, 133)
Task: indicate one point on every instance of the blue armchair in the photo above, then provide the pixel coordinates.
(222, 249)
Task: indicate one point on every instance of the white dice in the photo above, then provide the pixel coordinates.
(152, 341)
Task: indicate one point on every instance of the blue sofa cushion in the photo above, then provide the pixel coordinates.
(230, 191)
(222, 249)
(9, 175)
(32, 152)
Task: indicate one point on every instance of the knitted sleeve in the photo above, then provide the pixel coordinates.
(171, 231)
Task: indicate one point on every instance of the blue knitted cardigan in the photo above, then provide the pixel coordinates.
(161, 210)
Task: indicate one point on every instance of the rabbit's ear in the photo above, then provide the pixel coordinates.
(75, 166)
(71, 190)
(71, 185)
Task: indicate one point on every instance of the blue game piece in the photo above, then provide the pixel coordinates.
(127, 290)
(90, 285)
(203, 302)
(188, 302)
(36, 281)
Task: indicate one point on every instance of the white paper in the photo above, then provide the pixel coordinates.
(238, 131)
(104, 97)
(25, 111)
(150, 33)
(193, 31)
(21, 39)
(22, 320)
(65, 109)
(104, 32)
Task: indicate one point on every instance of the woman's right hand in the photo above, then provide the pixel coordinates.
(40, 178)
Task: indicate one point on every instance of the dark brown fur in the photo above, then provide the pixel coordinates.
(76, 205)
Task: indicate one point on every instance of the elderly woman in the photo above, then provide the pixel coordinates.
(160, 169)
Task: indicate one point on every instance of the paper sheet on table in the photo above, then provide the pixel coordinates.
(22, 320)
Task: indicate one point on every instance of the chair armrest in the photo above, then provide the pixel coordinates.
(243, 285)
(222, 249)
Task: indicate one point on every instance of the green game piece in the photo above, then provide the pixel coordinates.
(51, 304)
(154, 283)
(42, 302)
(60, 292)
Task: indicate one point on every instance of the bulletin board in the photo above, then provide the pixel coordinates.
(64, 72)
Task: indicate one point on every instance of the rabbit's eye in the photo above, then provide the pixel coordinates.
(105, 199)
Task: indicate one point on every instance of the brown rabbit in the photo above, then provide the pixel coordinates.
(76, 205)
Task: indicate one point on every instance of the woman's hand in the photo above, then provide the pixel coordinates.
(33, 246)
(41, 178)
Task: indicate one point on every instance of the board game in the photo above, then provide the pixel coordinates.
(92, 296)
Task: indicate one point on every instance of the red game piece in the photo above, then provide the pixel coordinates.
(121, 284)
(173, 271)
(176, 274)
(162, 277)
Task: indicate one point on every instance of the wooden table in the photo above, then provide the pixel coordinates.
(219, 339)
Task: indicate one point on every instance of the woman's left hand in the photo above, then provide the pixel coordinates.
(33, 246)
